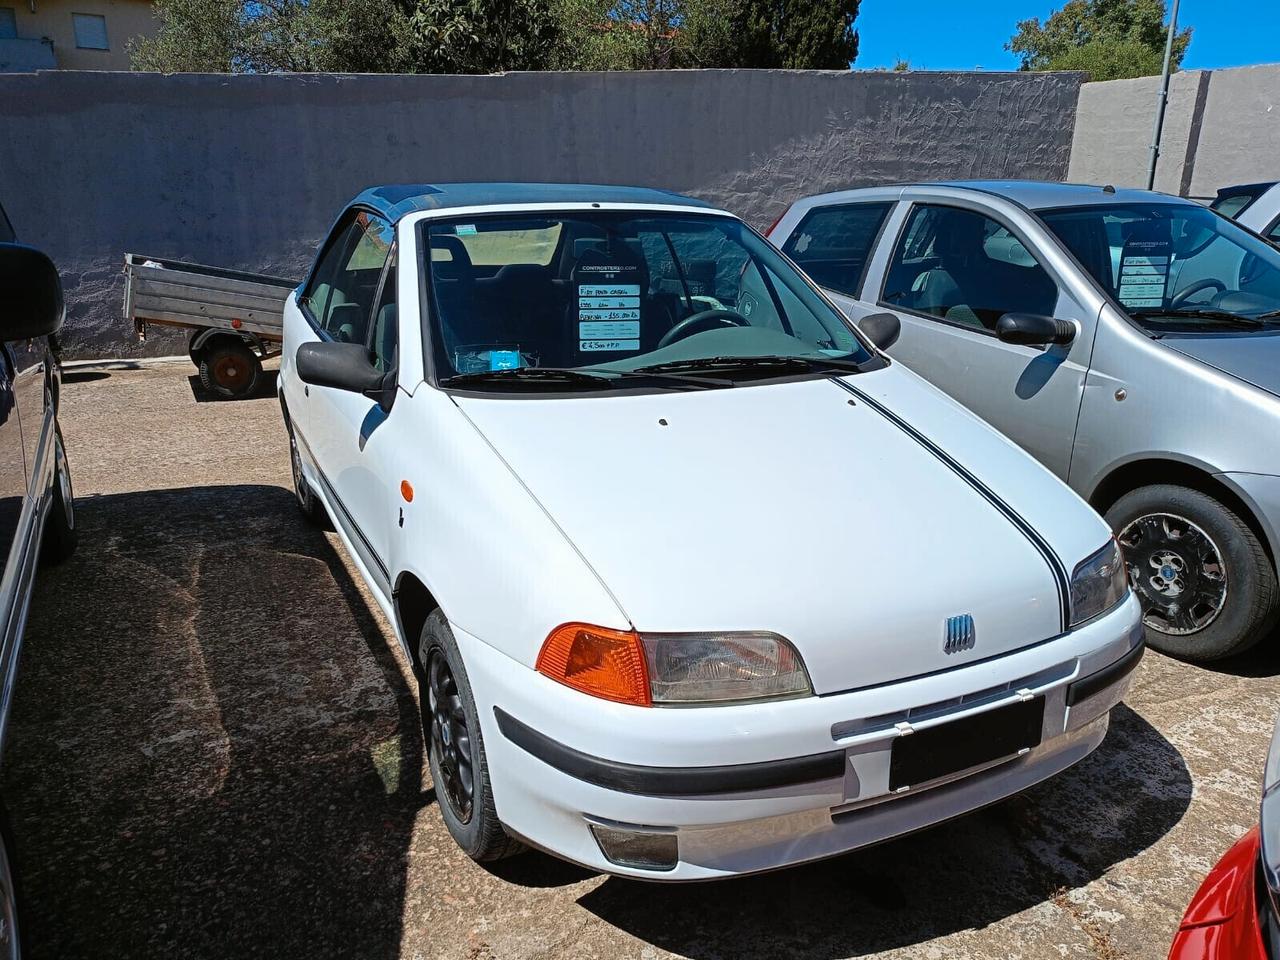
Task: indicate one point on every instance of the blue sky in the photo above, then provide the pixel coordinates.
(946, 35)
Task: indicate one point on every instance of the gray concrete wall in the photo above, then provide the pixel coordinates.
(247, 172)
(1222, 127)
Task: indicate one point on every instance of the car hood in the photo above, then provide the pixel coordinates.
(1252, 357)
(801, 509)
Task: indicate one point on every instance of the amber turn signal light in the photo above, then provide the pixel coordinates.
(604, 663)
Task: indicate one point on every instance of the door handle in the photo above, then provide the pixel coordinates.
(306, 391)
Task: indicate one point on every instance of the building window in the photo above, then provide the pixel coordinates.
(91, 31)
(8, 23)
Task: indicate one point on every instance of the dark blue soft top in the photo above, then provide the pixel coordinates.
(393, 201)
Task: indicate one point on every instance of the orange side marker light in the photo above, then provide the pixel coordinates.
(406, 491)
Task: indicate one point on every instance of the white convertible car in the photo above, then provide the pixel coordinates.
(695, 580)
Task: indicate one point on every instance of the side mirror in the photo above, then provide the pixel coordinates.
(1034, 330)
(31, 302)
(882, 329)
(343, 366)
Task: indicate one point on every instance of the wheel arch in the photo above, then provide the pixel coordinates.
(213, 335)
(1148, 471)
(413, 602)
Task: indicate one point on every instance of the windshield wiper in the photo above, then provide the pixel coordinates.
(1199, 313)
(762, 363)
(553, 376)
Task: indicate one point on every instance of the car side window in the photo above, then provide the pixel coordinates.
(965, 268)
(384, 337)
(1233, 205)
(1274, 233)
(833, 244)
(340, 296)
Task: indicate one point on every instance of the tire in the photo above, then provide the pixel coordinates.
(307, 500)
(1207, 587)
(229, 369)
(444, 694)
(12, 938)
(60, 534)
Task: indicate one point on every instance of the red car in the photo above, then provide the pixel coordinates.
(1233, 915)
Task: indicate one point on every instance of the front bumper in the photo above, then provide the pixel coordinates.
(759, 786)
(1221, 922)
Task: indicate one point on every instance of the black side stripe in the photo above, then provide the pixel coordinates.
(351, 521)
(1060, 575)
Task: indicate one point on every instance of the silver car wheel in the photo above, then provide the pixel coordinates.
(1177, 570)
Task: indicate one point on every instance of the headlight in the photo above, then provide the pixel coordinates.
(1098, 584)
(723, 667)
(673, 668)
(1269, 817)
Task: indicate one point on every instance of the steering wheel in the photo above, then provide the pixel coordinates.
(1183, 295)
(703, 318)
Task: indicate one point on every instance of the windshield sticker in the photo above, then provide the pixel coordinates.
(465, 229)
(609, 329)
(1144, 269)
(504, 359)
(608, 315)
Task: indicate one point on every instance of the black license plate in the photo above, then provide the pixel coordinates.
(951, 747)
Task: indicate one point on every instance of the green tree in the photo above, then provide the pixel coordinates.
(1108, 39)
(486, 36)
(234, 36)
(658, 34)
(795, 34)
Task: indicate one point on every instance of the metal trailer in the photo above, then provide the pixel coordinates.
(235, 317)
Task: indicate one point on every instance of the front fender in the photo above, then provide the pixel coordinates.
(491, 556)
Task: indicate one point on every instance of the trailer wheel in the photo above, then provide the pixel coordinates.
(230, 370)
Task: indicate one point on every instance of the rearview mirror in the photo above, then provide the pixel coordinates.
(1034, 330)
(342, 366)
(31, 302)
(882, 329)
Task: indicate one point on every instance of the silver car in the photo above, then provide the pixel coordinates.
(1129, 340)
(1253, 205)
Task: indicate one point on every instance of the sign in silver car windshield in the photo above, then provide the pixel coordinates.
(1174, 266)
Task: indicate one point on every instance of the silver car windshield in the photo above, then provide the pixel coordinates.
(1174, 266)
(597, 296)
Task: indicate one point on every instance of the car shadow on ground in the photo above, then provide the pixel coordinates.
(1262, 660)
(213, 751)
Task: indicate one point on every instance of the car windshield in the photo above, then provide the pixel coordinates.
(1174, 267)
(598, 298)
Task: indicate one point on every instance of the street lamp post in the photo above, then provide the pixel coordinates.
(1163, 99)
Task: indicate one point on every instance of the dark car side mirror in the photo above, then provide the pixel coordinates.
(882, 329)
(343, 366)
(31, 303)
(1034, 330)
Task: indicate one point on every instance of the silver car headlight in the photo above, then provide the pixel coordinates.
(709, 668)
(1098, 584)
(1269, 817)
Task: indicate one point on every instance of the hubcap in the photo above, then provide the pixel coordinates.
(231, 373)
(1177, 570)
(446, 723)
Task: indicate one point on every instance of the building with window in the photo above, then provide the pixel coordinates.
(71, 34)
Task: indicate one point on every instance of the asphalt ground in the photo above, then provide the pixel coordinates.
(214, 751)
